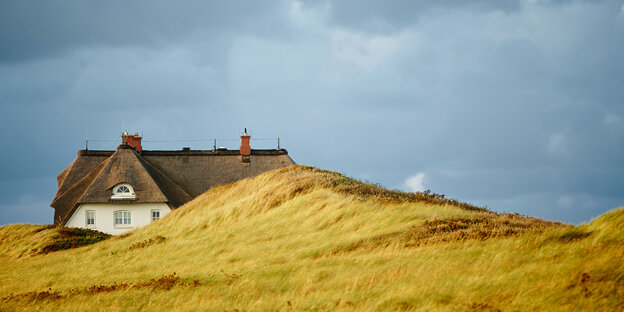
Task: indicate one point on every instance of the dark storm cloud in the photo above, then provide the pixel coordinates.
(516, 105)
(34, 29)
(392, 15)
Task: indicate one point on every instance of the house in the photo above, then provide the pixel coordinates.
(117, 191)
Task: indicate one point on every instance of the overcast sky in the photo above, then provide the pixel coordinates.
(513, 105)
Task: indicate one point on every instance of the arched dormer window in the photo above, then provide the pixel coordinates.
(122, 191)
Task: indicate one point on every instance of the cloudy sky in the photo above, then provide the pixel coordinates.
(513, 105)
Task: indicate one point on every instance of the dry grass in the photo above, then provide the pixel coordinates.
(23, 240)
(307, 239)
(368, 191)
(439, 231)
(154, 240)
(164, 283)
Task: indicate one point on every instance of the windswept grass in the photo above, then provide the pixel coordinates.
(439, 231)
(349, 186)
(24, 240)
(308, 239)
(164, 283)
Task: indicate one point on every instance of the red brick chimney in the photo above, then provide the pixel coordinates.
(245, 149)
(133, 140)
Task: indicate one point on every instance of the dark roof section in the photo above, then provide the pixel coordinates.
(172, 177)
(78, 170)
(65, 202)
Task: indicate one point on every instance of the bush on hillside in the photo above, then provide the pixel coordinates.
(73, 238)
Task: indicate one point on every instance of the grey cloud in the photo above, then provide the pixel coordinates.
(33, 29)
(512, 105)
(393, 15)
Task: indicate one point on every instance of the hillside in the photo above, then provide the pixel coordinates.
(307, 239)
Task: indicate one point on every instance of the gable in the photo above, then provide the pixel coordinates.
(124, 166)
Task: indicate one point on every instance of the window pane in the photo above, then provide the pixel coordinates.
(117, 217)
(90, 217)
(123, 189)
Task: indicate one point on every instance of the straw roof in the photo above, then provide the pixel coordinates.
(172, 177)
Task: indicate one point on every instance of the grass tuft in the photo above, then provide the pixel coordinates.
(153, 240)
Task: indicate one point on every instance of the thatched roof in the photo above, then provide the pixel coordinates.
(172, 177)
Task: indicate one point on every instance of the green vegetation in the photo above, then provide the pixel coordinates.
(68, 238)
(27, 240)
(307, 239)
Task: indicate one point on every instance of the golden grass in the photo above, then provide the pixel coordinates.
(307, 239)
(25, 240)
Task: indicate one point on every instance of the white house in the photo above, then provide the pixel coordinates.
(117, 191)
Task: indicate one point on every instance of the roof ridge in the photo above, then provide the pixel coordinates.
(153, 169)
(80, 167)
(92, 175)
(141, 162)
(65, 173)
(60, 178)
(58, 196)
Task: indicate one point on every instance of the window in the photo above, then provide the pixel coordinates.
(155, 215)
(90, 222)
(123, 190)
(123, 218)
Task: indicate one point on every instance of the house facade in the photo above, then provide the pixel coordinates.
(117, 191)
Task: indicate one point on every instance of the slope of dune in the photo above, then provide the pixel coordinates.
(307, 239)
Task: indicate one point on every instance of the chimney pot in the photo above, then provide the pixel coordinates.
(245, 149)
(133, 140)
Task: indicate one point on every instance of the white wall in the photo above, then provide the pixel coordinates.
(104, 216)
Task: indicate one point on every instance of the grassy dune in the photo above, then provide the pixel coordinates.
(307, 239)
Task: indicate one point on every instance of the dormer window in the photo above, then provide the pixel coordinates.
(122, 191)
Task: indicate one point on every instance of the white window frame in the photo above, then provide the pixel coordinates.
(92, 225)
(125, 215)
(119, 194)
(152, 214)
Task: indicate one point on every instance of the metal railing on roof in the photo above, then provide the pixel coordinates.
(117, 141)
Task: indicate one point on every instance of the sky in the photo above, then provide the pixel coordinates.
(517, 106)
